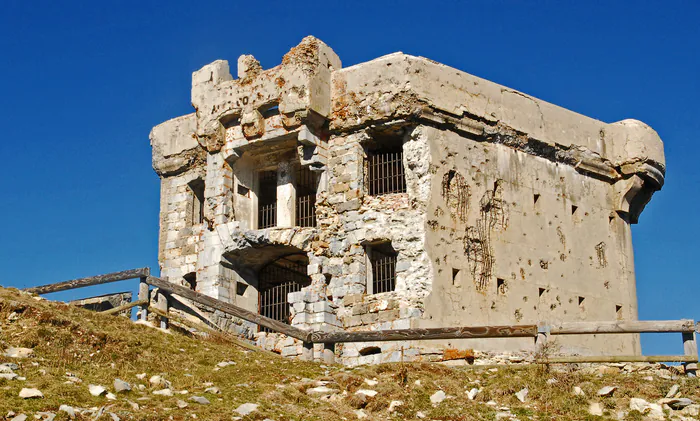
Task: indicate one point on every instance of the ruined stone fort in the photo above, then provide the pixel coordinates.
(399, 193)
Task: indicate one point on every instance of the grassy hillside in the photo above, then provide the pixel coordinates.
(97, 349)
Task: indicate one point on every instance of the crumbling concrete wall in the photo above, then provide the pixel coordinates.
(515, 210)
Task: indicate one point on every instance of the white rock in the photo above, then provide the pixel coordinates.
(360, 414)
(8, 376)
(68, 410)
(181, 404)
(656, 412)
(20, 417)
(247, 408)
(320, 390)
(420, 414)
(367, 392)
(672, 393)
(394, 404)
(595, 409)
(200, 400)
(522, 394)
(121, 386)
(213, 390)
(223, 364)
(111, 396)
(141, 376)
(114, 416)
(472, 394)
(607, 391)
(96, 390)
(437, 397)
(13, 352)
(371, 382)
(552, 381)
(163, 392)
(30, 393)
(45, 416)
(578, 391)
(417, 382)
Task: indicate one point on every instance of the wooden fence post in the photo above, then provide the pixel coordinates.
(162, 306)
(307, 352)
(690, 347)
(144, 296)
(543, 331)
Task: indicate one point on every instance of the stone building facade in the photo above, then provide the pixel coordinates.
(400, 193)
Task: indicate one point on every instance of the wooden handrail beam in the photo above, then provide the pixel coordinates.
(619, 359)
(230, 309)
(89, 281)
(465, 332)
(126, 306)
(636, 326)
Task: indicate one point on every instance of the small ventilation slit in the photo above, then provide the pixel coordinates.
(581, 300)
(541, 292)
(241, 288)
(618, 312)
(370, 350)
(455, 274)
(535, 198)
(574, 208)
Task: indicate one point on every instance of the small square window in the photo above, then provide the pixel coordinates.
(241, 288)
(382, 267)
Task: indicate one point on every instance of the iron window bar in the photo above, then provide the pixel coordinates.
(386, 173)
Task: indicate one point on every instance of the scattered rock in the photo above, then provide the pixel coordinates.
(96, 390)
(247, 408)
(8, 376)
(578, 391)
(141, 376)
(320, 390)
(121, 386)
(68, 410)
(134, 405)
(111, 396)
(45, 416)
(30, 393)
(181, 404)
(522, 394)
(472, 394)
(607, 391)
(223, 364)
(20, 417)
(672, 393)
(200, 400)
(212, 390)
(595, 409)
(638, 404)
(552, 381)
(371, 382)
(676, 403)
(394, 404)
(13, 352)
(114, 416)
(437, 397)
(367, 392)
(360, 414)
(419, 414)
(159, 381)
(163, 392)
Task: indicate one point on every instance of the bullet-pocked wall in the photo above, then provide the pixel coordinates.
(399, 193)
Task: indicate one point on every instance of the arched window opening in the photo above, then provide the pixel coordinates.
(277, 279)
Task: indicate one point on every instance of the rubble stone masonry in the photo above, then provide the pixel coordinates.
(498, 209)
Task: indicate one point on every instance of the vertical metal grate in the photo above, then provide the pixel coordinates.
(276, 280)
(385, 173)
(307, 182)
(383, 271)
(267, 199)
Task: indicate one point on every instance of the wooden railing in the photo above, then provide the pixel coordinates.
(541, 333)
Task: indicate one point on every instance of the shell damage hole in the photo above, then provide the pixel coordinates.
(370, 350)
(574, 208)
(241, 288)
(455, 277)
(581, 300)
(541, 292)
(535, 198)
(618, 312)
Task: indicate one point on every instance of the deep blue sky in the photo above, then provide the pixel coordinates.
(82, 84)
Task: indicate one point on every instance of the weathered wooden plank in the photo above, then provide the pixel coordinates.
(690, 347)
(522, 331)
(127, 306)
(144, 295)
(89, 281)
(619, 359)
(639, 326)
(162, 306)
(230, 309)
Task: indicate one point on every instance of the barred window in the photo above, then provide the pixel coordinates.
(382, 267)
(307, 182)
(267, 199)
(276, 280)
(385, 173)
